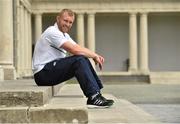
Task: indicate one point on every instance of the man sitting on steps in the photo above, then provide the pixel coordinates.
(51, 66)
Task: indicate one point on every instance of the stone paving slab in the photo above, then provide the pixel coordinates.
(146, 93)
(167, 113)
(121, 112)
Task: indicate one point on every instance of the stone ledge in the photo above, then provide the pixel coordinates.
(13, 115)
(165, 78)
(120, 79)
(24, 95)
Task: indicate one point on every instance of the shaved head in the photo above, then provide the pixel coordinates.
(68, 11)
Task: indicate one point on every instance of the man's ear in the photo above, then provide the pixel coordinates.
(57, 19)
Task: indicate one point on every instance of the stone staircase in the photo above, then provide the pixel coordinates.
(24, 102)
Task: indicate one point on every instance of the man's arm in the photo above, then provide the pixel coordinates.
(76, 49)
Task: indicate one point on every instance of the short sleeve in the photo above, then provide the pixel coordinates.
(69, 38)
(56, 38)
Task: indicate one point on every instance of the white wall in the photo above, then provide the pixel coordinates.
(164, 42)
(112, 40)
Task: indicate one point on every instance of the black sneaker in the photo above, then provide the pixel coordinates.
(109, 100)
(99, 102)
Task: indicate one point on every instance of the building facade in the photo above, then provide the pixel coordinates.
(136, 37)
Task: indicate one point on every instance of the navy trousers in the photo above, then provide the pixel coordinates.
(64, 69)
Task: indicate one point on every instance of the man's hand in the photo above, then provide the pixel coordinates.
(99, 60)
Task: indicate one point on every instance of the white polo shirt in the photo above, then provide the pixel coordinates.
(48, 48)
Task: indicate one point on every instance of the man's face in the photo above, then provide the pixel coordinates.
(65, 22)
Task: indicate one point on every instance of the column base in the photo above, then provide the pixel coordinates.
(133, 70)
(139, 72)
(9, 73)
(1, 73)
(144, 71)
(28, 73)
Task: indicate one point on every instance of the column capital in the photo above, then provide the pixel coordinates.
(80, 13)
(91, 13)
(37, 13)
(132, 13)
(144, 13)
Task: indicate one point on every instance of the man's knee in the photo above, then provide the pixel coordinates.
(82, 59)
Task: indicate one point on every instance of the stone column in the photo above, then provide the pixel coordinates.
(80, 29)
(38, 25)
(29, 45)
(133, 43)
(6, 39)
(18, 39)
(26, 45)
(21, 42)
(144, 43)
(91, 33)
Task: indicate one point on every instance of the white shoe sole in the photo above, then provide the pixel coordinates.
(95, 106)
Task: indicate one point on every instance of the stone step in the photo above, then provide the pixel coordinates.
(23, 93)
(56, 88)
(124, 79)
(121, 112)
(67, 106)
(69, 90)
(58, 110)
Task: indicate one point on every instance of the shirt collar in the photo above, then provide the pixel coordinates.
(56, 26)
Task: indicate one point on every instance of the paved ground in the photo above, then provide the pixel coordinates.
(162, 101)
